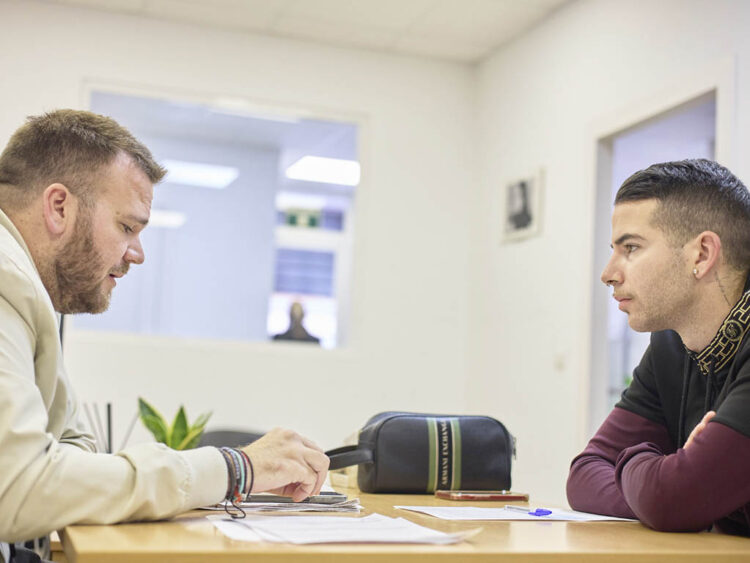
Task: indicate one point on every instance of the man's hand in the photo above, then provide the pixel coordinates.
(287, 464)
(699, 428)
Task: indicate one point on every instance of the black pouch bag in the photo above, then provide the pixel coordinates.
(402, 452)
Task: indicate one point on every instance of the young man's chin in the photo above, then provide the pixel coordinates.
(637, 324)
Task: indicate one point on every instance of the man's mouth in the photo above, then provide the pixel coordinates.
(119, 272)
(622, 301)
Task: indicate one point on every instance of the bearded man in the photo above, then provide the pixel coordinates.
(75, 195)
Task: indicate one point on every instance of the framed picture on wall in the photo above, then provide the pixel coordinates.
(522, 209)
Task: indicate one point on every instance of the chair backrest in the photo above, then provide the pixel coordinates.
(229, 438)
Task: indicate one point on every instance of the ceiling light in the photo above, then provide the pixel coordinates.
(293, 200)
(166, 219)
(199, 174)
(325, 170)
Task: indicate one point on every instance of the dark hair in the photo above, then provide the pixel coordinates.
(69, 147)
(695, 196)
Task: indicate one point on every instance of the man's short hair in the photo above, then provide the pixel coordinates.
(695, 196)
(66, 146)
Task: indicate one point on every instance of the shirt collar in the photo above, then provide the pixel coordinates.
(729, 337)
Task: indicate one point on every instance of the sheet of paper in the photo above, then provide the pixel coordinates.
(506, 513)
(374, 528)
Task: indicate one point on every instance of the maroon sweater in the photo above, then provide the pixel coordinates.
(634, 466)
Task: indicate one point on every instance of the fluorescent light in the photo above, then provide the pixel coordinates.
(166, 219)
(294, 200)
(325, 170)
(200, 174)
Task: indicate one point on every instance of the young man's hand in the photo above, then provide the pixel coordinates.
(699, 428)
(288, 464)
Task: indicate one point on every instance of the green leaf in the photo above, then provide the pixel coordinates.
(202, 419)
(195, 432)
(153, 421)
(191, 439)
(147, 410)
(156, 426)
(179, 429)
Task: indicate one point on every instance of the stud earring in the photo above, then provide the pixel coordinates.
(695, 272)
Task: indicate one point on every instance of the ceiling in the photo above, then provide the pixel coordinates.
(454, 30)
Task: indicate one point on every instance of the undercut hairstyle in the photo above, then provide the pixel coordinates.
(695, 196)
(69, 147)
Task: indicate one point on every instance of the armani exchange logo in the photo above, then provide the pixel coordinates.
(445, 453)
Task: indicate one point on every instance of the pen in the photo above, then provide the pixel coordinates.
(537, 512)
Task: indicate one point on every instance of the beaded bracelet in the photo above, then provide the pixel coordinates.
(240, 478)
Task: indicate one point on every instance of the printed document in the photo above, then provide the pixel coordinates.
(374, 528)
(508, 513)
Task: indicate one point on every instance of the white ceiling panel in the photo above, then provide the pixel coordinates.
(251, 15)
(388, 14)
(331, 32)
(439, 48)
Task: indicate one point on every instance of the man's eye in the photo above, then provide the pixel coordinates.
(126, 228)
(630, 248)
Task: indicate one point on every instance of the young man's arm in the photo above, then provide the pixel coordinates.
(631, 464)
(706, 480)
(635, 420)
(591, 482)
(692, 488)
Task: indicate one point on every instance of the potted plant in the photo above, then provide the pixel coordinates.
(179, 435)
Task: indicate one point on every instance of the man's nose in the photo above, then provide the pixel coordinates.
(611, 274)
(134, 254)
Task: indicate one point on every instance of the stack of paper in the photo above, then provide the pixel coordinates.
(374, 528)
(351, 505)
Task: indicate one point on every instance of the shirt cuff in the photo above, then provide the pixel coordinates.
(208, 476)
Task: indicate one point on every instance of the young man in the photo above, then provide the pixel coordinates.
(675, 451)
(75, 194)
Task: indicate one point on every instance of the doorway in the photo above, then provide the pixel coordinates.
(685, 131)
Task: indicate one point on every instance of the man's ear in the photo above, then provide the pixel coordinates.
(59, 207)
(707, 251)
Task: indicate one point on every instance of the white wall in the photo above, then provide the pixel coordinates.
(538, 100)
(410, 290)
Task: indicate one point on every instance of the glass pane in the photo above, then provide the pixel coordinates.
(234, 242)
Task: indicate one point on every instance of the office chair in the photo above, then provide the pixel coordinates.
(229, 438)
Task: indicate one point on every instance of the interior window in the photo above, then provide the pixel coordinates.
(250, 232)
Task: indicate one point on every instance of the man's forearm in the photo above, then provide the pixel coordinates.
(690, 489)
(591, 487)
(591, 483)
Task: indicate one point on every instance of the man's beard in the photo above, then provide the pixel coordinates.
(75, 270)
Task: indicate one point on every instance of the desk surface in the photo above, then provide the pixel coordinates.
(190, 538)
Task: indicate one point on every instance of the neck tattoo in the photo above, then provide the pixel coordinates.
(721, 287)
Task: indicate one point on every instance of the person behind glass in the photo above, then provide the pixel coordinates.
(297, 330)
(75, 195)
(675, 451)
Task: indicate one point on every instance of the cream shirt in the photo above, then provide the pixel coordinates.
(50, 474)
